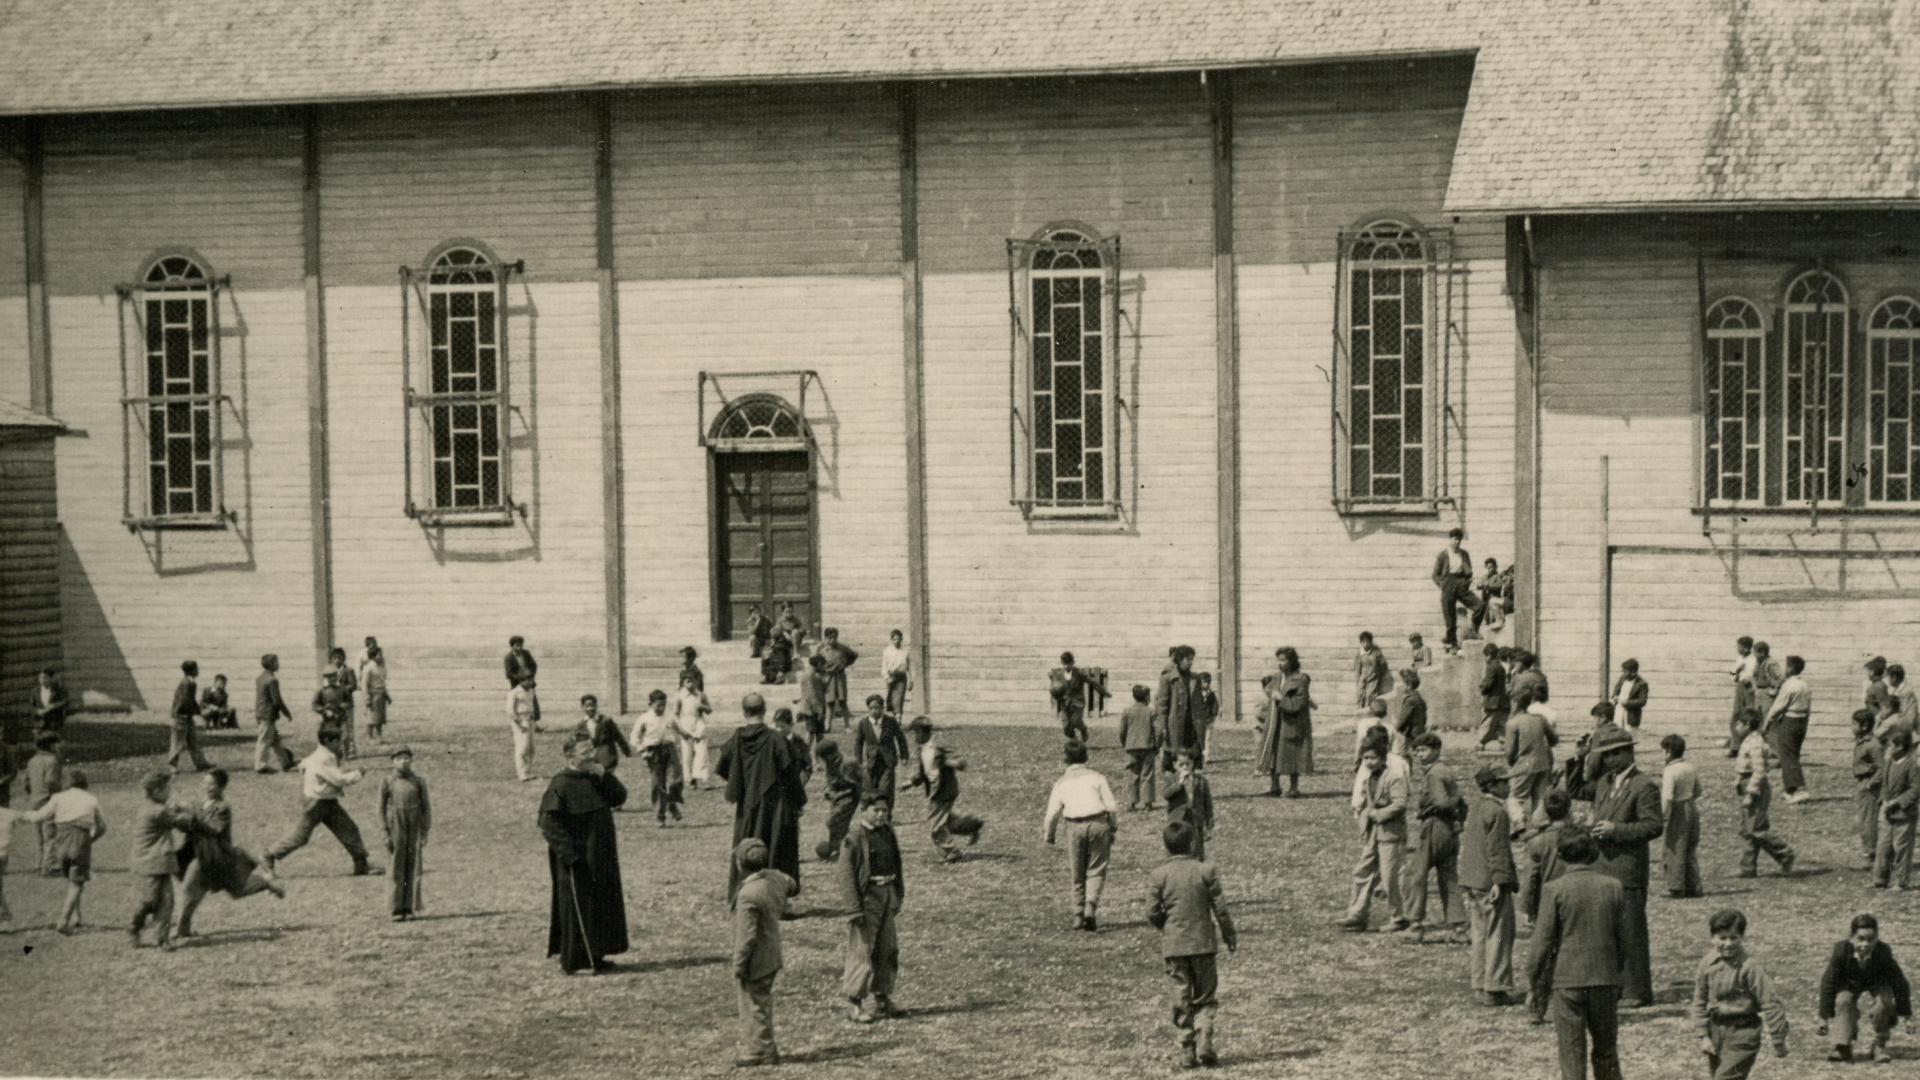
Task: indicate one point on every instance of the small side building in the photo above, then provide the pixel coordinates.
(29, 557)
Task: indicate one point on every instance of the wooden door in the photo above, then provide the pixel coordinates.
(764, 527)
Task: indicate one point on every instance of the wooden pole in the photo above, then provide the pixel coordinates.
(1226, 345)
(612, 473)
(319, 500)
(39, 325)
(919, 613)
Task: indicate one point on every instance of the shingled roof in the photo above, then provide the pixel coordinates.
(1576, 104)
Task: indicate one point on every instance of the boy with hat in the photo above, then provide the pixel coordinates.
(937, 771)
(1487, 882)
(1435, 847)
(758, 908)
(407, 816)
(1184, 901)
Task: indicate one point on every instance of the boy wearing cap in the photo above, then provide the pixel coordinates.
(1487, 882)
(872, 888)
(407, 816)
(758, 908)
(937, 771)
(1184, 902)
(1140, 738)
(1626, 820)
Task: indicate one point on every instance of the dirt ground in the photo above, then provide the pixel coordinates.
(993, 984)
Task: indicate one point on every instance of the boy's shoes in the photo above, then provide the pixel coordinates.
(953, 856)
(1798, 797)
(399, 918)
(1786, 863)
(1492, 999)
(663, 823)
(1748, 874)
(1401, 925)
(753, 1062)
(1189, 1058)
(1132, 806)
(368, 870)
(1353, 926)
(1880, 1055)
(974, 836)
(1840, 1053)
(1538, 1019)
(1207, 1056)
(1090, 925)
(882, 1006)
(859, 1015)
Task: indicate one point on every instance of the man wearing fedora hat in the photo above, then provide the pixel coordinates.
(1626, 819)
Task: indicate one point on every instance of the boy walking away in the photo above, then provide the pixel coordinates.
(1543, 865)
(1435, 846)
(656, 738)
(1184, 902)
(1580, 949)
(1869, 758)
(1383, 838)
(813, 698)
(758, 908)
(214, 710)
(1734, 1001)
(74, 814)
(154, 861)
(1141, 740)
(1495, 705)
(1899, 793)
(1629, 698)
(1487, 882)
(1081, 797)
(878, 745)
(322, 785)
(1530, 743)
(1863, 967)
(269, 708)
(406, 815)
(520, 718)
(1067, 685)
(872, 888)
(186, 708)
(1785, 727)
(843, 797)
(1371, 677)
(1680, 808)
(373, 679)
(938, 772)
(1756, 795)
(1190, 799)
(46, 777)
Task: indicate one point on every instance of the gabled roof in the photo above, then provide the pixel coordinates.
(1621, 104)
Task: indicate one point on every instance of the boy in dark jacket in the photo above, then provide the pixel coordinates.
(844, 785)
(1184, 902)
(878, 745)
(757, 958)
(1190, 799)
(937, 770)
(1494, 703)
(1438, 810)
(1141, 740)
(1487, 882)
(1863, 967)
(872, 889)
(1869, 757)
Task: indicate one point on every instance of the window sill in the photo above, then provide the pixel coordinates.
(488, 517)
(211, 522)
(1835, 511)
(1347, 508)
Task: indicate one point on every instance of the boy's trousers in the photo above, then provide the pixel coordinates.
(326, 812)
(756, 1018)
(1788, 735)
(1846, 1016)
(943, 823)
(1089, 846)
(1380, 856)
(269, 751)
(873, 949)
(1143, 772)
(153, 898)
(183, 741)
(1866, 810)
(1681, 844)
(1490, 934)
(1436, 852)
(1893, 856)
(1755, 834)
(897, 694)
(1736, 1046)
(1196, 984)
(522, 752)
(839, 820)
(1527, 797)
(1581, 1013)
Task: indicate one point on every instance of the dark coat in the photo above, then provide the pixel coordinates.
(1287, 745)
(520, 666)
(1633, 702)
(1184, 901)
(853, 870)
(1880, 974)
(186, 703)
(268, 705)
(1635, 813)
(1581, 937)
(1173, 709)
(587, 916)
(767, 792)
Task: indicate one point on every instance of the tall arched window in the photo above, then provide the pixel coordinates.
(1893, 401)
(182, 400)
(1071, 393)
(1736, 402)
(466, 474)
(1814, 385)
(1386, 377)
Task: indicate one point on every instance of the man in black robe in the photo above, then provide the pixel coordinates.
(766, 788)
(588, 918)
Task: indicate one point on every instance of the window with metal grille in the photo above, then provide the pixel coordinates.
(1393, 297)
(172, 404)
(1893, 402)
(1814, 369)
(1064, 379)
(460, 408)
(1736, 402)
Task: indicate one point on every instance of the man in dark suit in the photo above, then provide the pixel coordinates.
(1629, 695)
(186, 709)
(1453, 575)
(1626, 816)
(1580, 945)
(1173, 706)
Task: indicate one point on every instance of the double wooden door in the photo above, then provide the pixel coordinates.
(765, 533)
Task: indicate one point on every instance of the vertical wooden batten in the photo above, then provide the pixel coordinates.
(319, 498)
(39, 332)
(919, 615)
(1226, 344)
(612, 475)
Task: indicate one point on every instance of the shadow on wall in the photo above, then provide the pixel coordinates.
(96, 670)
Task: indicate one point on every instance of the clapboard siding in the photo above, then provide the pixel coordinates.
(29, 565)
(444, 601)
(848, 330)
(399, 180)
(1322, 148)
(1621, 339)
(757, 183)
(1003, 159)
(121, 189)
(14, 384)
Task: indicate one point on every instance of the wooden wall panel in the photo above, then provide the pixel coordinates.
(1127, 156)
(756, 183)
(29, 567)
(399, 180)
(13, 278)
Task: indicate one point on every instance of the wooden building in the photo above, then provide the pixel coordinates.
(598, 324)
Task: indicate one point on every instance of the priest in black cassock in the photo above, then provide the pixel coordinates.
(588, 920)
(767, 790)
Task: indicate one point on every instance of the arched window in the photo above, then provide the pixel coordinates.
(1893, 401)
(1070, 376)
(1735, 380)
(181, 405)
(1387, 378)
(1814, 385)
(462, 403)
(758, 418)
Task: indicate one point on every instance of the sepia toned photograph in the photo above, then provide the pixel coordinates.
(1303, 539)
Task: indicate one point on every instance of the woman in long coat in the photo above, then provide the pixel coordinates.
(587, 920)
(1287, 748)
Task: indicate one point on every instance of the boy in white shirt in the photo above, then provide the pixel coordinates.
(657, 738)
(895, 664)
(1084, 799)
(75, 816)
(520, 716)
(322, 784)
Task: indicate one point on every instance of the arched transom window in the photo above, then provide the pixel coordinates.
(760, 417)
